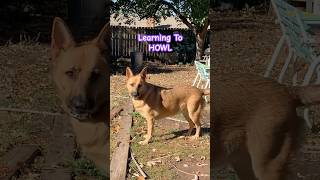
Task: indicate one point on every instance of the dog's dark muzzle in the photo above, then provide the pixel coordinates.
(135, 94)
(81, 108)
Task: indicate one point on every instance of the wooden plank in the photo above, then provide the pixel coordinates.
(115, 112)
(16, 159)
(60, 151)
(118, 166)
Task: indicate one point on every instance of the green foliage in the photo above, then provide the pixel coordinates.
(194, 10)
(87, 168)
(185, 49)
(137, 115)
(237, 4)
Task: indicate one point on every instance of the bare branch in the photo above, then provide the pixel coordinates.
(179, 14)
(30, 111)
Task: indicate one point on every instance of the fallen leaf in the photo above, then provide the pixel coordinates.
(195, 177)
(191, 155)
(201, 164)
(177, 158)
(153, 163)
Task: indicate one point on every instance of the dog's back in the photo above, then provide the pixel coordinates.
(254, 125)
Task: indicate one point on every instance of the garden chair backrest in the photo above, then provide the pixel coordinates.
(294, 28)
(202, 70)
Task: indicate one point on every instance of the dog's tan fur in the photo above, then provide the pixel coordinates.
(79, 72)
(154, 102)
(254, 124)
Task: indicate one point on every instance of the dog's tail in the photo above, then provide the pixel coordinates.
(307, 95)
(205, 92)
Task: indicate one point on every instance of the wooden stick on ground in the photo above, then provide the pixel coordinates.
(191, 174)
(177, 120)
(115, 112)
(138, 166)
(125, 97)
(30, 111)
(119, 162)
(158, 158)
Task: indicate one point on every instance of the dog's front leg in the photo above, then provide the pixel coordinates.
(149, 133)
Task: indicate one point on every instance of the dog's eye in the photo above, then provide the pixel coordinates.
(132, 84)
(94, 75)
(70, 73)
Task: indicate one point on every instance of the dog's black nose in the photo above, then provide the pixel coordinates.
(134, 94)
(79, 103)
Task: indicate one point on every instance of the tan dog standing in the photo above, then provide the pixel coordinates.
(80, 73)
(154, 102)
(254, 124)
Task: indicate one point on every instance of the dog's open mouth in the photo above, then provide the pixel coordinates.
(80, 116)
(83, 114)
(136, 97)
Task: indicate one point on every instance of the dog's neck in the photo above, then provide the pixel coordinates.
(147, 91)
(93, 128)
(148, 94)
(100, 116)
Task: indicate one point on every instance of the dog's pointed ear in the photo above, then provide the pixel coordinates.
(143, 72)
(102, 36)
(128, 73)
(61, 37)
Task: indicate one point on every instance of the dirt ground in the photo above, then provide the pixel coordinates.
(245, 43)
(168, 150)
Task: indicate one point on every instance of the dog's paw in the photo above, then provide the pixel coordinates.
(144, 142)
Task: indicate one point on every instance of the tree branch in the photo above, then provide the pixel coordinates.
(181, 16)
(205, 27)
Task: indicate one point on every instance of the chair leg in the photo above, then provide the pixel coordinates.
(306, 117)
(275, 56)
(309, 73)
(199, 82)
(295, 73)
(195, 80)
(295, 79)
(206, 86)
(285, 66)
(318, 75)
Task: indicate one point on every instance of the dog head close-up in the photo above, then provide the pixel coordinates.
(136, 83)
(79, 71)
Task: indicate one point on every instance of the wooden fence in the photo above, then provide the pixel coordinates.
(124, 41)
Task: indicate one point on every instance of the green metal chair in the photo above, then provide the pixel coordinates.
(295, 27)
(203, 75)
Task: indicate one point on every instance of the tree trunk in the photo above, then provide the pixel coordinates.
(200, 38)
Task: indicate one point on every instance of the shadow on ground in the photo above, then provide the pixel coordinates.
(177, 134)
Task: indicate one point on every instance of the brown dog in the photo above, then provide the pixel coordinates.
(79, 72)
(154, 102)
(254, 124)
